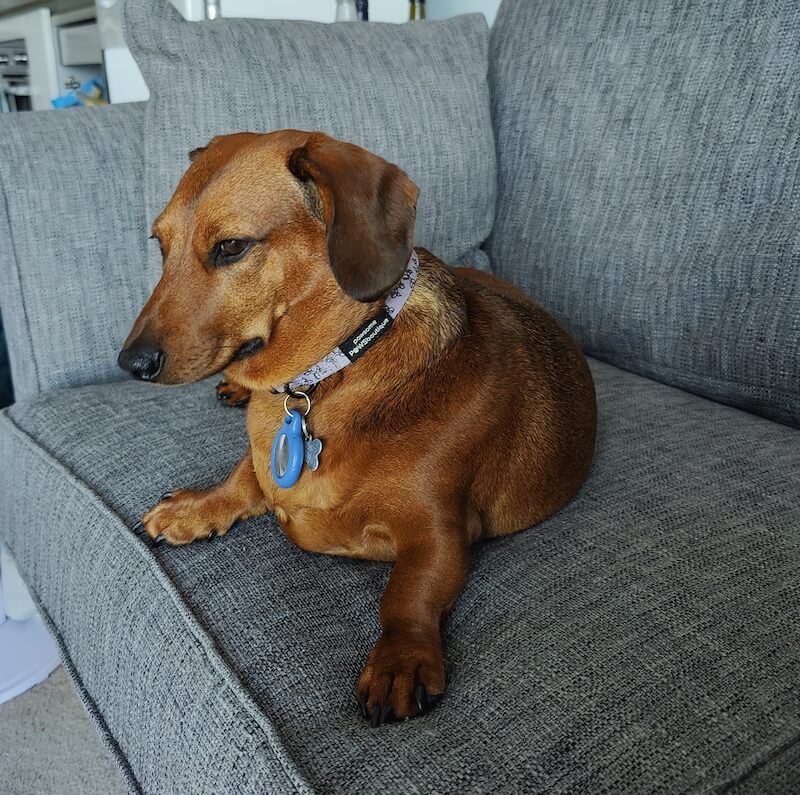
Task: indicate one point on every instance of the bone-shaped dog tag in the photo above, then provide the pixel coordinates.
(312, 449)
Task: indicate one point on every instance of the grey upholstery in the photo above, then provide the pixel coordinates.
(72, 218)
(649, 185)
(646, 636)
(643, 640)
(414, 94)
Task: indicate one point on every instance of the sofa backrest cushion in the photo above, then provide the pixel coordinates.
(72, 274)
(649, 185)
(414, 94)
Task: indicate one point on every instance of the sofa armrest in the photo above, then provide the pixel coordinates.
(73, 274)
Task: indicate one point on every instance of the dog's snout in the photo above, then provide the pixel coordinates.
(144, 362)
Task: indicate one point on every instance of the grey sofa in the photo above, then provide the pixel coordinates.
(645, 639)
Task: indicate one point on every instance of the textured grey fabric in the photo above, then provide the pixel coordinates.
(649, 185)
(414, 94)
(777, 774)
(72, 275)
(644, 639)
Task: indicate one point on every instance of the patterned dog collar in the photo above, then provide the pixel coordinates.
(363, 338)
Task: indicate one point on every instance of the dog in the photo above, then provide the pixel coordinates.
(466, 415)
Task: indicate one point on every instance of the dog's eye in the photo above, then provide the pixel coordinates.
(230, 250)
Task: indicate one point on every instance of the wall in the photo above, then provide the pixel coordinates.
(320, 10)
(55, 6)
(324, 10)
(440, 9)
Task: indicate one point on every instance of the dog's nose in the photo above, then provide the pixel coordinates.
(144, 362)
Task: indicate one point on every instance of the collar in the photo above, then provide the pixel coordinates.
(363, 338)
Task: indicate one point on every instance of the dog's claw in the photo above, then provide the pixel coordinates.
(421, 697)
(167, 495)
(375, 718)
(138, 527)
(212, 535)
(158, 539)
(231, 395)
(387, 714)
(383, 714)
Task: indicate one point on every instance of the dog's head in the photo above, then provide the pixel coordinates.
(272, 246)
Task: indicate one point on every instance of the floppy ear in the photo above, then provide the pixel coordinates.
(369, 207)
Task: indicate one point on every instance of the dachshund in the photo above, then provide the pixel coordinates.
(397, 409)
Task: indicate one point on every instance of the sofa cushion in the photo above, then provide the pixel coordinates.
(73, 224)
(414, 94)
(644, 638)
(649, 185)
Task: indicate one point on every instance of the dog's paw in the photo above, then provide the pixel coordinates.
(233, 394)
(403, 678)
(184, 516)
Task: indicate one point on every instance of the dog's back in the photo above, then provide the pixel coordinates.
(544, 435)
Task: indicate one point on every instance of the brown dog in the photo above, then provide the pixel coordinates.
(473, 417)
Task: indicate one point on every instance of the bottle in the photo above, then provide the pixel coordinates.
(416, 10)
(345, 11)
(362, 10)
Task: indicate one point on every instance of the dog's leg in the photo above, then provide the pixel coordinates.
(185, 516)
(404, 675)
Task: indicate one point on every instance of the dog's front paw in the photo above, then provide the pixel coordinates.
(184, 516)
(403, 677)
(232, 394)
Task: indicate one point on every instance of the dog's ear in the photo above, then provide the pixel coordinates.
(369, 207)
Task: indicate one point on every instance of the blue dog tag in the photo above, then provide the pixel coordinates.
(288, 451)
(312, 451)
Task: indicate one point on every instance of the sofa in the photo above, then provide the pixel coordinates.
(645, 167)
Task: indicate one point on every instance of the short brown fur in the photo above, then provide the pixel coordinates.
(473, 418)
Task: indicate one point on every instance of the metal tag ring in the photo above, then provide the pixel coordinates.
(297, 394)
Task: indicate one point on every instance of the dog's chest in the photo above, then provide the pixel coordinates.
(320, 512)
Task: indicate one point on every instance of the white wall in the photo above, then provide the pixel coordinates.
(441, 9)
(319, 10)
(324, 10)
(125, 80)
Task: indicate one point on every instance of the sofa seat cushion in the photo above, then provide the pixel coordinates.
(646, 637)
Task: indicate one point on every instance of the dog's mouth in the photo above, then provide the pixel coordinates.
(190, 368)
(247, 349)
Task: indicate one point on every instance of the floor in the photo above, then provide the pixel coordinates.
(49, 747)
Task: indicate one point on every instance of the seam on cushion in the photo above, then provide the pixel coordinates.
(649, 369)
(21, 295)
(605, 355)
(245, 700)
(94, 713)
(495, 157)
(759, 764)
